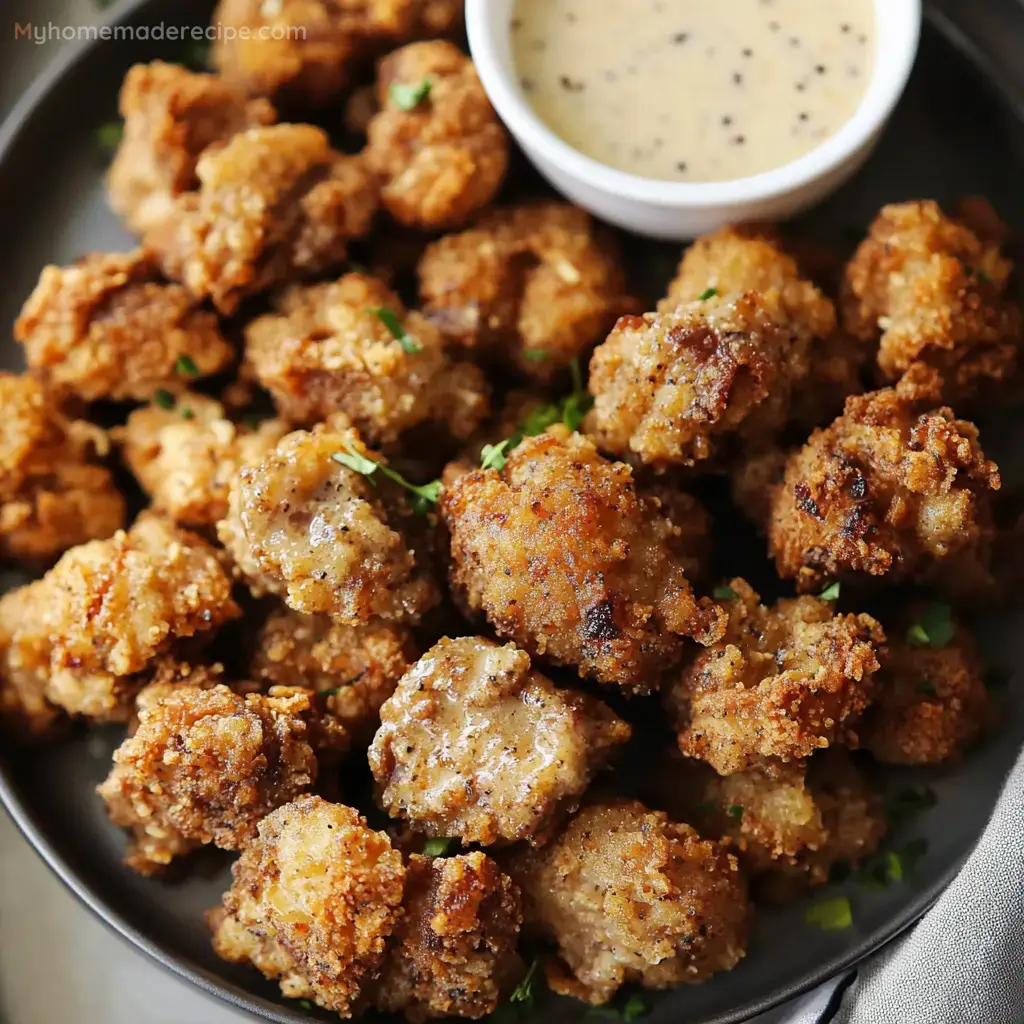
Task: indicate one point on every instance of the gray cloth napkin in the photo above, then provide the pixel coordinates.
(964, 961)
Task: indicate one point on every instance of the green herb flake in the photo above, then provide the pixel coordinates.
(390, 319)
(934, 628)
(109, 135)
(830, 915)
(523, 992)
(735, 811)
(874, 875)
(187, 413)
(724, 594)
(186, 367)
(437, 847)
(830, 593)
(575, 407)
(356, 461)
(424, 496)
(917, 636)
(163, 398)
(306, 1004)
(894, 867)
(635, 1008)
(708, 293)
(409, 95)
(536, 422)
(536, 355)
(925, 688)
(492, 456)
(983, 276)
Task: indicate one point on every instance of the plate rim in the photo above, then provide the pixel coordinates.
(17, 122)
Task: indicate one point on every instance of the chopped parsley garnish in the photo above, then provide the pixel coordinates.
(306, 1004)
(186, 367)
(187, 413)
(830, 593)
(163, 398)
(109, 135)
(708, 293)
(894, 866)
(724, 594)
(576, 405)
(424, 496)
(535, 355)
(633, 1008)
(390, 319)
(570, 411)
(926, 688)
(830, 915)
(492, 456)
(523, 992)
(735, 811)
(436, 847)
(983, 276)
(934, 628)
(409, 95)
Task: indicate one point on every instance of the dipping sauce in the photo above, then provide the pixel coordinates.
(694, 90)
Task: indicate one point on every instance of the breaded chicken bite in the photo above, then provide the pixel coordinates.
(677, 388)
(314, 898)
(109, 610)
(350, 345)
(895, 487)
(170, 116)
(204, 766)
(110, 327)
(436, 143)
(629, 896)
(782, 682)
(532, 285)
(273, 204)
(304, 525)
(929, 290)
(932, 701)
(453, 952)
(753, 258)
(563, 557)
(476, 745)
(53, 492)
(185, 457)
(358, 667)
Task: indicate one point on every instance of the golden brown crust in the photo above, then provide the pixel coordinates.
(443, 160)
(673, 388)
(109, 327)
(314, 898)
(933, 292)
(475, 745)
(453, 952)
(204, 766)
(273, 204)
(325, 349)
(629, 896)
(564, 558)
(895, 487)
(170, 116)
(534, 285)
(780, 684)
(302, 525)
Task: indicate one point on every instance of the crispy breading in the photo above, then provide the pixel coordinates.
(453, 952)
(313, 900)
(533, 285)
(753, 258)
(780, 684)
(357, 666)
(932, 701)
(442, 160)
(932, 291)
(474, 744)
(54, 494)
(273, 204)
(676, 388)
(109, 327)
(629, 896)
(563, 557)
(170, 116)
(185, 457)
(326, 347)
(204, 766)
(109, 610)
(895, 487)
(302, 525)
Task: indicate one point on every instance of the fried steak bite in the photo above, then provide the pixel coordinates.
(442, 159)
(929, 290)
(676, 388)
(314, 898)
(895, 487)
(205, 765)
(53, 492)
(110, 327)
(476, 745)
(453, 951)
(273, 204)
(171, 115)
(305, 526)
(185, 457)
(109, 610)
(932, 701)
(533, 285)
(350, 345)
(781, 683)
(563, 557)
(629, 896)
(357, 666)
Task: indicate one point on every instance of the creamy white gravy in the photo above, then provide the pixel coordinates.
(694, 90)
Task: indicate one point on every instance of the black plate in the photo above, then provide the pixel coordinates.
(958, 130)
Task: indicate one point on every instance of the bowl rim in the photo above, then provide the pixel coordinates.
(898, 27)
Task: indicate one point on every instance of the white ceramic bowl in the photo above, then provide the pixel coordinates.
(678, 211)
